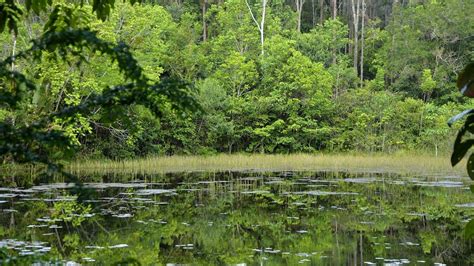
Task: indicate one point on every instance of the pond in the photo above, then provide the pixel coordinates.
(238, 218)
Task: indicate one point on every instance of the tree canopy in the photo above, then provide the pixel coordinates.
(112, 78)
(50, 131)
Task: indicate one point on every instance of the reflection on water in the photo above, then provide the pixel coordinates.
(243, 218)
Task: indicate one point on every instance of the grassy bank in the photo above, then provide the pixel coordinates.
(406, 164)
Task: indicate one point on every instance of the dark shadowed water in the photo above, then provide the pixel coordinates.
(238, 218)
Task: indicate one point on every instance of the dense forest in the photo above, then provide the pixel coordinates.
(271, 76)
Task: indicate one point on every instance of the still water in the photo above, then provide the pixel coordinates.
(238, 218)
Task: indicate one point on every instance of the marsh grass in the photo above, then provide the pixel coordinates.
(403, 164)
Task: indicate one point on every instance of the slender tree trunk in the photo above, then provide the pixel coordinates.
(12, 220)
(321, 12)
(355, 16)
(261, 25)
(334, 8)
(299, 11)
(13, 62)
(362, 43)
(361, 250)
(355, 252)
(204, 23)
(313, 12)
(13, 51)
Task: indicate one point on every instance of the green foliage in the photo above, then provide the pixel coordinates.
(427, 241)
(470, 229)
(325, 43)
(11, 13)
(116, 85)
(427, 82)
(420, 33)
(71, 212)
(53, 134)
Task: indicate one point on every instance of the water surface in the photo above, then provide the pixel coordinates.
(239, 218)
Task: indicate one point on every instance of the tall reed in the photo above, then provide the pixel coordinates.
(404, 163)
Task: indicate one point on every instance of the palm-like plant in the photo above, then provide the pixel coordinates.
(465, 84)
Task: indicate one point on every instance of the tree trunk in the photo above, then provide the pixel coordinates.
(334, 8)
(355, 252)
(204, 23)
(361, 248)
(362, 44)
(299, 10)
(261, 25)
(321, 12)
(355, 23)
(13, 51)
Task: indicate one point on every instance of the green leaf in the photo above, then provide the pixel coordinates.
(470, 167)
(469, 230)
(460, 149)
(10, 14)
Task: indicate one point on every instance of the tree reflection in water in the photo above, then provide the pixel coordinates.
(240, 217)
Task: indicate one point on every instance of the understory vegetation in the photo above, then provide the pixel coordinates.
(270, 76)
